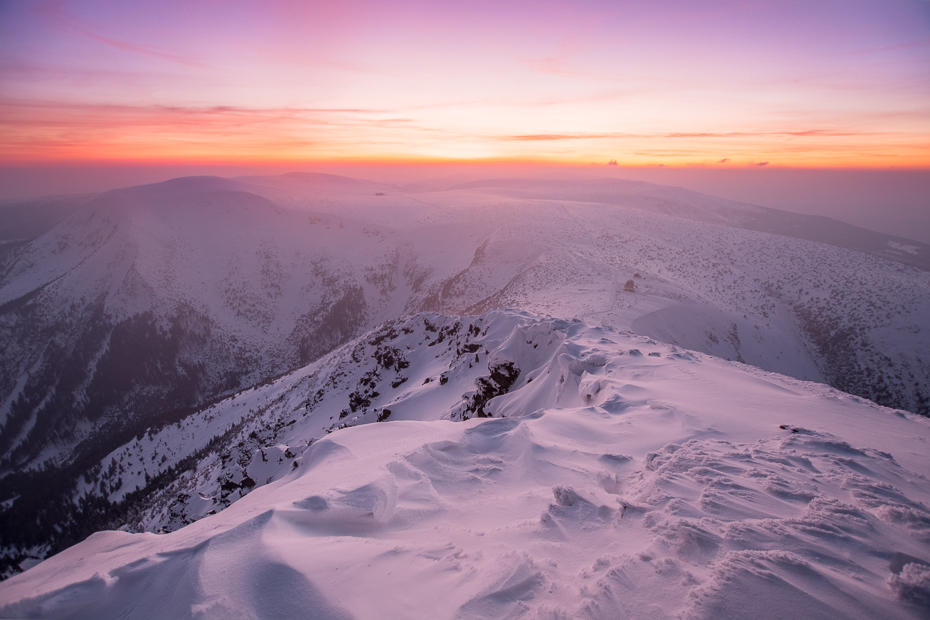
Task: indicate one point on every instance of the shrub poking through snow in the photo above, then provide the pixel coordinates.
(503, 376)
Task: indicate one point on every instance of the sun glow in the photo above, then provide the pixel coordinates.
(723, 84)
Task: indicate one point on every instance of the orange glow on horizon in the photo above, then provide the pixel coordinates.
(38, 132)
(722, 84)
(809, 163)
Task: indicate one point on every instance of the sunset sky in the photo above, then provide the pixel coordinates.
(722, 83)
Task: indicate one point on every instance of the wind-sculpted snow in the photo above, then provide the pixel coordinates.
(617, 477)
(426, 367)
(150, 303)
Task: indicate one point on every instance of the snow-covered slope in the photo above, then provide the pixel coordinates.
(709, 278)
(616, 477)
(152, 302)
(185, 289)
(226, 289)
(693, 205)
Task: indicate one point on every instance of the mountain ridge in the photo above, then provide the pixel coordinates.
(600, 467)
(152, 302)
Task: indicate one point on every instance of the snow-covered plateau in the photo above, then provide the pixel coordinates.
(509, 465)
(722, 420)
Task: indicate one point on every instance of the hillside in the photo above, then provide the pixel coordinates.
(509, 465)
(149, 304)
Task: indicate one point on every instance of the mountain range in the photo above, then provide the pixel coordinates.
(169, 349)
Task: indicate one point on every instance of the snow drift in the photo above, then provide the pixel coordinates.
(615, 477)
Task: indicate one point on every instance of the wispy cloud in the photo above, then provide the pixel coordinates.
(304, 59)
(554, 65)
(139, 49)
(185, 111)
(744, 134)
(682, 134)
(542, 137)
(58, 13)
(559, 63)
(30, 128)
(892, 48)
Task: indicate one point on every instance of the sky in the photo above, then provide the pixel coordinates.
(714, 84)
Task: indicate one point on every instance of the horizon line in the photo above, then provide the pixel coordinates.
(436, 162)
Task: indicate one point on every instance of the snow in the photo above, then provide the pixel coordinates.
(255, 262)
(903, 247)
(621, 474)
(618, 477)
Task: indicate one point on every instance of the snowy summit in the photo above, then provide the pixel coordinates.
(524, 467)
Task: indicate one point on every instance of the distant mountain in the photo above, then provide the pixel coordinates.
(689, 204)
(23, 220)
(508, 465)
(155, 299)
(150, 303)
(706, 280)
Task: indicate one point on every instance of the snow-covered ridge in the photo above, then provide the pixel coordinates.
(612, 468)
(426, 367)
(151, 302)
